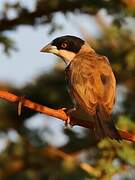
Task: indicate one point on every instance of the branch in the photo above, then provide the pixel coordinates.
(45, 9)
(42, 10)
(60, 114)
(18, 164)
(54, 152)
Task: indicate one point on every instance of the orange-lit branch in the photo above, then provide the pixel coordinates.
(60, 114)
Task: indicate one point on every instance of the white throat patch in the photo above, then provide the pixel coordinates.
(68, 56)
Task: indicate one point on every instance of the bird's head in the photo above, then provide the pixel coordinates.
(65, 47)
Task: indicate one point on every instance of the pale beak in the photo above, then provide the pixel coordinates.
(49, 49)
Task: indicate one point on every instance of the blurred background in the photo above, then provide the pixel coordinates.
(34, 146)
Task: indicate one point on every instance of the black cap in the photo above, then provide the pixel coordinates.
(70, 43)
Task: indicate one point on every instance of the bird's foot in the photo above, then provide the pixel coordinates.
(67, 123)
(68, 112)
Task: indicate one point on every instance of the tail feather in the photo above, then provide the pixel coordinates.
(104, 126)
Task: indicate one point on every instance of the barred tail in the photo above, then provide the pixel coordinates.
(104, 126)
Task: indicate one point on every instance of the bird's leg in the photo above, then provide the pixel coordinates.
(68, 112)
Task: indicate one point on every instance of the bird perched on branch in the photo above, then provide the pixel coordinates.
(91, 82)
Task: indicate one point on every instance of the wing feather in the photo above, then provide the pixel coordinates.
(91, 82)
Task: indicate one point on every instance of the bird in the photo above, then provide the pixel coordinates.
(91, 82)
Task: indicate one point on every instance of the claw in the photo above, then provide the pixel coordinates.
(20, 104)
(64, 109)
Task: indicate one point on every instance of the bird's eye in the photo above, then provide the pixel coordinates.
(64, 45)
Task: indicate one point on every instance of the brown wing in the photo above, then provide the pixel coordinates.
(109, 82)
(92, 82)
